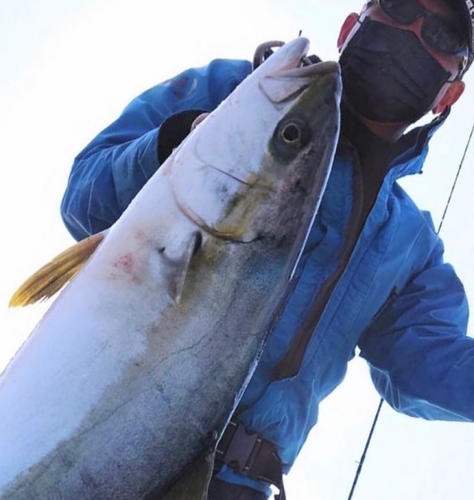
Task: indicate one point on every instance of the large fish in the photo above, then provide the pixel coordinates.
(134, 371)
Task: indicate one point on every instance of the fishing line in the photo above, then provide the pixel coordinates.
(374, 423)
(364, 453)
(456, 179)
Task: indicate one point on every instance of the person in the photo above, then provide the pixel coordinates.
(372, 274)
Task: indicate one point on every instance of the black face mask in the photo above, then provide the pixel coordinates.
(388, 75)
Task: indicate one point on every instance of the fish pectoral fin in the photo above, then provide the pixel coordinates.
(193, 484)
(53, 276)
(177, 267)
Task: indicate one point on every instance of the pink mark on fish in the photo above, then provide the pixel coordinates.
(125, 262)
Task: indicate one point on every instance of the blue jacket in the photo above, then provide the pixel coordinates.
(396, 300)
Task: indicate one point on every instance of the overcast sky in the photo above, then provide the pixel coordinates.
(68, 69)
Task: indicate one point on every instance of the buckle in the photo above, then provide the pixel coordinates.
(242, 448)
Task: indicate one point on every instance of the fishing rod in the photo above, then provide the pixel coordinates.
(377, 414)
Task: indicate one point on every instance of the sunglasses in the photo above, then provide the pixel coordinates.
(438, 32)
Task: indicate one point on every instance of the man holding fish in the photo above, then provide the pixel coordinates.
(371, 274)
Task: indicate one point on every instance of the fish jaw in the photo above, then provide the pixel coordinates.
(281, 86)
(286, 58)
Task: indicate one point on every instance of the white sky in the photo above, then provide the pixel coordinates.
(69, 67)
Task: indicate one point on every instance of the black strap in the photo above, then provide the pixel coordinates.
(249, 454)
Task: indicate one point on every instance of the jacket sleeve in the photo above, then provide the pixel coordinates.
(422, 362)
(111, 170)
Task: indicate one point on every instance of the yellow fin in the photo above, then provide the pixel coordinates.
(53, 276)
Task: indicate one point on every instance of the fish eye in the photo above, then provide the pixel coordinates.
(291, 134)
(290, 137)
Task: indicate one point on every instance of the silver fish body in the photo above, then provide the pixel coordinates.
(139, 363)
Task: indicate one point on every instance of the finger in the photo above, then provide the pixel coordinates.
(198, 120)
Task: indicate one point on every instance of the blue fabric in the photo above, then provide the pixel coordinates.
(396, 300)
(111, 170)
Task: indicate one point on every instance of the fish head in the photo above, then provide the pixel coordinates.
(263, 148)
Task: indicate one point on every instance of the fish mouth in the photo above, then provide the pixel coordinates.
(295, 52)
(293, 62)
(290, 75)
(315, 70)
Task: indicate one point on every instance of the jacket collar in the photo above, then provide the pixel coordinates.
(414, 148)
